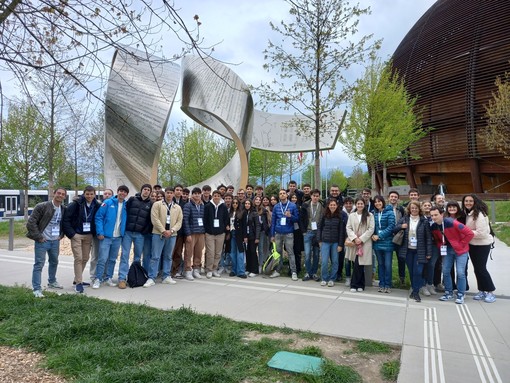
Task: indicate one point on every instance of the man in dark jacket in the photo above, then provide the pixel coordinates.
(79, 227)
(309, 216)
(45, 227)
(194, 231)
(217, 224)
(138, 226)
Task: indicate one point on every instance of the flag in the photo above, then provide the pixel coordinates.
(300, 157)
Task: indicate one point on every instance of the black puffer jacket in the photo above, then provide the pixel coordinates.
(423, 238)
(139, 215)
(331, 230)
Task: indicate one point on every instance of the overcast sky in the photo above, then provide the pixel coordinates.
(242, 30)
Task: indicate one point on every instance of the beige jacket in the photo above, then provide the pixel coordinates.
(158, 217)
(480, 228)
(365, 231)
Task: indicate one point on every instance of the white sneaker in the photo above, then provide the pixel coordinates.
(431, 289)
(275, 274)
(196, 274)
(168, 281)
(178, 275)
(209, 275)
(188, 275)
(96, 284)
(353, 290)
(360, 289)
(331, 284)
(425, 291)
(110, 282)
(252, 275)
(38, 294)
(221, 270)
(216, 274)
(150, 282)
(324, 283)
(347, 281)
(55, 285)
(294, 276)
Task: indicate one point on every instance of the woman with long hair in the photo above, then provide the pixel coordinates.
(262, 233)
(382, 241)
(416, 247)
(273, 201)
(331, 236)
(360, 227)
(453, 210)
(251, 218)
(477, 219)
(237, 235)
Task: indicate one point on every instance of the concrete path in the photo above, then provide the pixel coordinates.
(442, 341)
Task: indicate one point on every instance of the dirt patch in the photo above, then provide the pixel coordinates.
(340, 351)
(20, 366)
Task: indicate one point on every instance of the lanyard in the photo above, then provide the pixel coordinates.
(379, 215)
(282, 209)
(442, 231)
(168, 207)
(87, 215)
(57, 213)
(314, 212)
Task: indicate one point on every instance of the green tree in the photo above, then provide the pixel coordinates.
(23, 160)
(337, 177)
(265, 166)
(358, 179)
(192, 154)
(382, 122)
(310, 64)
(497, 132)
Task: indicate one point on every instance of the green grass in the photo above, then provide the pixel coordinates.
(502, 232)
(502, 210)
(372, 347)
(90, 340)
(19, 228)
(390, 370)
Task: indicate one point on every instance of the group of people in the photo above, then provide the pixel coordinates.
(177, 233)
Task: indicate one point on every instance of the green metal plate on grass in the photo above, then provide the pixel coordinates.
(290, 361)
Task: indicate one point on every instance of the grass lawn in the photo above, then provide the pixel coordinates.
(87, 339)
(19, 228)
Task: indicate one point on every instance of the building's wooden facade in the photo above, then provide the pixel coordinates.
(450, 60)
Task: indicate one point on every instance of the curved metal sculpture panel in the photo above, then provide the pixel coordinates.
(139, 98)
(215, 97)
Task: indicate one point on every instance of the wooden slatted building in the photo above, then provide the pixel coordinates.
(450, 60)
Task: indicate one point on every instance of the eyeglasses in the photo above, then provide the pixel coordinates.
(240, 192)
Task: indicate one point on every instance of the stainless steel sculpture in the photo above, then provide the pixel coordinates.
(139, 98)
(141, 91)
(215, 97)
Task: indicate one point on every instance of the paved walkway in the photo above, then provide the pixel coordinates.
(442, 341)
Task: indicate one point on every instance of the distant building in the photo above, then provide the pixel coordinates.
(450, 60)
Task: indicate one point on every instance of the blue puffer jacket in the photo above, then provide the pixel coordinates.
(278, 211)
(107, 215)
(384, 224)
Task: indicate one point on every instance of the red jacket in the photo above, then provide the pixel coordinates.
(457, 234)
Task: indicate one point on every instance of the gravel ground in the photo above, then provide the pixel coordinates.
(19, 366)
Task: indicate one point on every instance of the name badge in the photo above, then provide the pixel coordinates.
(413, 241)
(443, 250)
(314, 225)
(86, 227)
(231, 223)
(296, 226)
(216, 222)
(247, 230)
(55, 231)
(200, 222)
(168, 219)
(283, 221)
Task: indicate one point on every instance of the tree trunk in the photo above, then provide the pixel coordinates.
(385, 181)
(25, 209)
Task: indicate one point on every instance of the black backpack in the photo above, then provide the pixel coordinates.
(137, 276)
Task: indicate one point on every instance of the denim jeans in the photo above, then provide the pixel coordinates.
(263, 248)
(311, 253)
(108, 252)
(384, 263)
(415, 270)
(431, 264)
(40, 250)
(329, 251)
(236, 256)
(161, 246)
(288, 240)
(129, 238)
(147, 250)
(460, 264)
